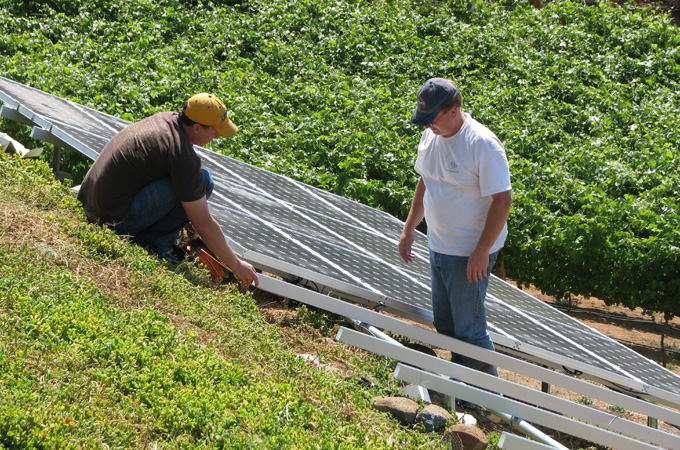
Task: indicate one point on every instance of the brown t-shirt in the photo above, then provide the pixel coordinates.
(153, 148)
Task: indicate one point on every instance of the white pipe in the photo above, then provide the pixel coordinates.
(529, 430)
(376, 332)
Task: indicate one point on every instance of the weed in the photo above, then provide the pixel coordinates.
(618, 409)
(585, 400)
(316, 319)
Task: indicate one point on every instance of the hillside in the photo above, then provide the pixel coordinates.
(100, 345)
(99, 336)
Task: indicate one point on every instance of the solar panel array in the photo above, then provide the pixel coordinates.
(334, 237)
(343, 246)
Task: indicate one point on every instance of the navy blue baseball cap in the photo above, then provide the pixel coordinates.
(435, 94)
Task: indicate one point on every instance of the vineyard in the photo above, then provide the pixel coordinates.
(585, 98)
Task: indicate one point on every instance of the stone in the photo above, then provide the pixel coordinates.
(434, 417)
(415, 392)
(403, 409)
(465, 437)
(466, 419)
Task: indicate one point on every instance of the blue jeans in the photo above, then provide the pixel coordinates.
(156, 216)
(458, 305)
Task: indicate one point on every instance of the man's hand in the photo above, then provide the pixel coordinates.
(245, 273)
(213, 237)
(478, 263)
(405, 243)
(415, 215)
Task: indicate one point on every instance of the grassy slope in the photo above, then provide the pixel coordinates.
(102, 347)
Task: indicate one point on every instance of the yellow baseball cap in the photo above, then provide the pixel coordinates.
(209, 110)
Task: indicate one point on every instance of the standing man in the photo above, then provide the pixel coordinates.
(464, 194)
(148, 183)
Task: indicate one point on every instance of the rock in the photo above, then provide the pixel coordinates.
(403, 409)
(466, 419)
(415, 392)
(434, 417)
(471, 438)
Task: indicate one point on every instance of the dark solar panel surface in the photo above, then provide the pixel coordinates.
(326, 237)
(355, 244)
(528, 304)
(85, 129)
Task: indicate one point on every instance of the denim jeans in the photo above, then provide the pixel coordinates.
(156, 216)
(458, 305)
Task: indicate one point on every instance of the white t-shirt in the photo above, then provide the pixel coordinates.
(461, 173)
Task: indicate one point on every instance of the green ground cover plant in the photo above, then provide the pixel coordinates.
(103, 347)
(584, 96)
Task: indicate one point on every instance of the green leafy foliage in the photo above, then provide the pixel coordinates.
(100, 346)
(585, 99)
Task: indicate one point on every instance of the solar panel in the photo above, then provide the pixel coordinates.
(349, 249)
(83, 129)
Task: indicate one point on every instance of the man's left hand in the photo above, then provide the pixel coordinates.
(478, 262)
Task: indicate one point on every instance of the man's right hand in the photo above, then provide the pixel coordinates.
(246, 274)
(415, 216)
(405, 243)
(213, 237)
